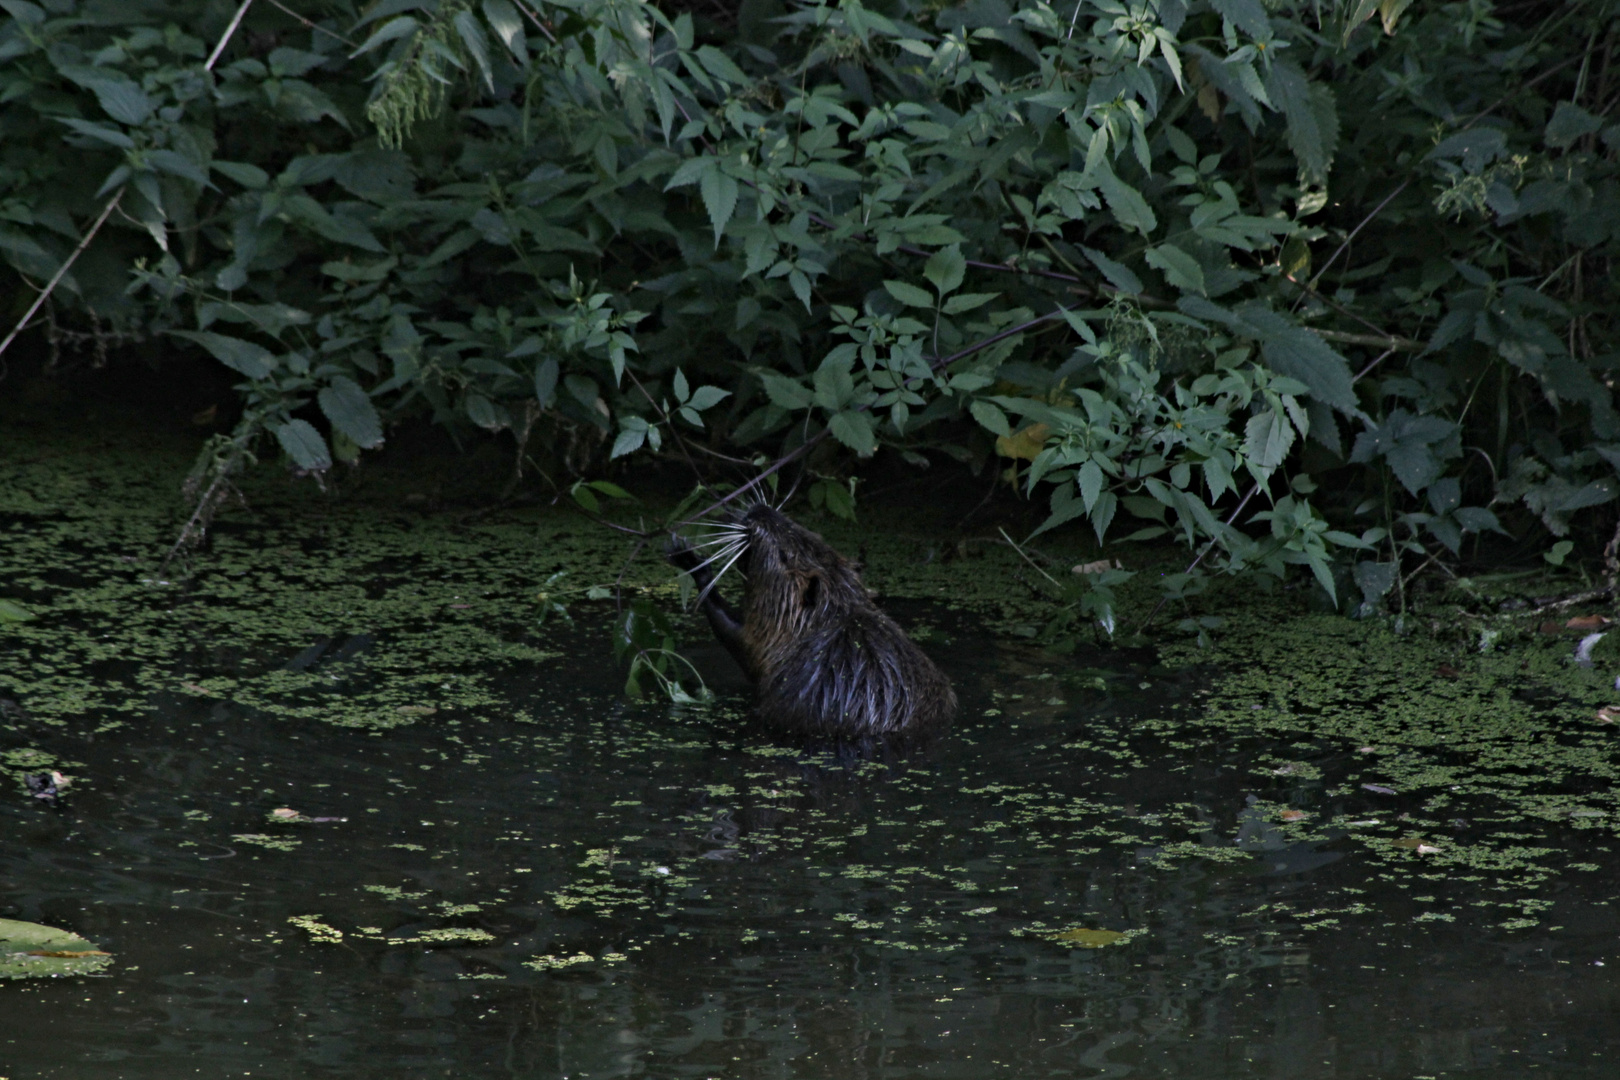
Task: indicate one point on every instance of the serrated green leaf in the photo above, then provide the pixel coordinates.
(786, 393)
(508, 26)
(304, 445)
(706, 397)
(110, 136)
(545, 381)
(1313, 123)
(629, 441)
(1179, 268)
(719, 199)
(945, 268)
(1126, 203)
(481, 411)
(909, 294)
(351, 412)
(1090, 481)
(834, 384)
(968, 301)
(1118, 274)
(990, 416)
(252, 360)
(854, 430)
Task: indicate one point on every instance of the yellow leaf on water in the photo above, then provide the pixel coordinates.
(1089, 939)
(1413, 843)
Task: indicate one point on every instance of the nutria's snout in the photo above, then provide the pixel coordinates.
(827, 662)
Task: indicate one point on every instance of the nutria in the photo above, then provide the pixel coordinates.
(825, 661)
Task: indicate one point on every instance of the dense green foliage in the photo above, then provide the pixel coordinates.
(1315, 282)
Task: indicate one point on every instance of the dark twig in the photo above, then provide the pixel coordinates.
(1402, 186)
(538, 22)
(1385, 355)
(1230, 520)
(313, 25)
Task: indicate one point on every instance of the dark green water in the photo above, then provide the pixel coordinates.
(564, 885)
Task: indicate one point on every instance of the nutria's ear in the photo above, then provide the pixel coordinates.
(810, 591)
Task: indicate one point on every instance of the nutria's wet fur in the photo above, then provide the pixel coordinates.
(826, 662)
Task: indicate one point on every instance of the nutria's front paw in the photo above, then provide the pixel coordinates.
(678, 550)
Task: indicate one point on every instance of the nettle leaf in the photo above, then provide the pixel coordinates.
(1416, 447)
(854, 430)
(1247, 15)
(252, 360)
(249, 176)
(1179, 268)
(1570, 122)
(1267, 439)
(178, 165)
(1090, 481)
(304, 445)
(1313, 119)
(1299, 353)
(396, 28)
(124, 101)
(110, 136)
(476, 42)
(508, 26)
(1126, 203)
(351, 412)
(1118, 274)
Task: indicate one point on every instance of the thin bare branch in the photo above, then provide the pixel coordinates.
(62, 270)
(224, 39)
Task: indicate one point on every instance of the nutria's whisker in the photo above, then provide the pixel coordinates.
(721, 554)
(705, 593)
(713, 540)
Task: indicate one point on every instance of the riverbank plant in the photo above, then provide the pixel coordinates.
(1320, 287)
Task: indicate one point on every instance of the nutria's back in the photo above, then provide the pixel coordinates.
(827, 663)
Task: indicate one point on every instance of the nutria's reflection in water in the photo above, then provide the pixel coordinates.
(660, 893)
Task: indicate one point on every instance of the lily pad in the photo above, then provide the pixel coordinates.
(1090, 939)
(30, 950)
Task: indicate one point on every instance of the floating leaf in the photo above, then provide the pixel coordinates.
(31, 950)
(1090, 939)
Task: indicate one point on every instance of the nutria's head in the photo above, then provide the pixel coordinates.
(794, 579)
